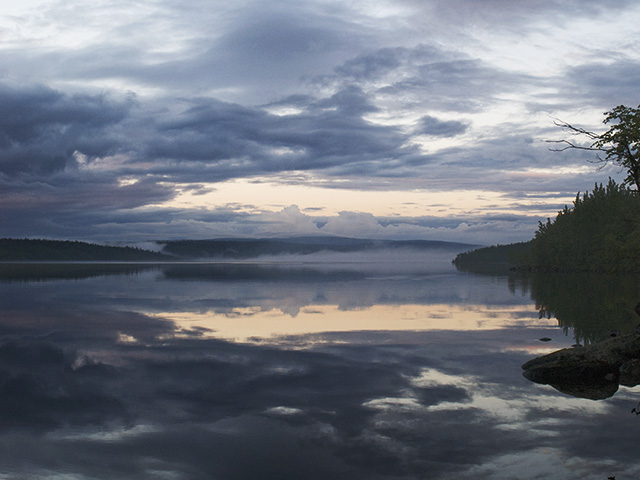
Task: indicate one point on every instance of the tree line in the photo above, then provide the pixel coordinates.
(33, 250)
(601, 233)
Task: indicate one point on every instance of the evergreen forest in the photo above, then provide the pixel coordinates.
(33, 250)
(600, 233)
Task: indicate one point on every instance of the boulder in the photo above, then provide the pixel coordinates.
(593, 371)
(630, 373)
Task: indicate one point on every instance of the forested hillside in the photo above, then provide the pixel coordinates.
(215, 249)
(600, 233)
(493, 259)
(56, 250)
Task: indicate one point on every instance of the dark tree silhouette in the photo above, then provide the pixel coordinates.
(619, 145)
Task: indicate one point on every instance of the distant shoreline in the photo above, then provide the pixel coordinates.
(493, 259)
(42, 251)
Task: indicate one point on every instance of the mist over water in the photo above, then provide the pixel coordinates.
(391, 260)
(382, 365)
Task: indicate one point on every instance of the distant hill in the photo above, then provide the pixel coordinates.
(236, 248)
(27, 250)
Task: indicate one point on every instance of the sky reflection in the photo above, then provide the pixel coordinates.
(254, 324)
(155, 375)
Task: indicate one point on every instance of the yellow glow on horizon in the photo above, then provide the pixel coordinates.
(256, 197)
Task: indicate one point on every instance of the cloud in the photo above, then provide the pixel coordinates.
(41, 129)
(433, 127)
(230, 140)
(607, 84)
(427, 76)
(410, 96)
(348, 224)
(505, 15)
(253, 53)
(373, 66)
(286, 221)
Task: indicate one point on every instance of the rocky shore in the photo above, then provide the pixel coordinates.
(594, 371)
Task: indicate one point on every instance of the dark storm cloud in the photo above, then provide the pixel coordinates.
(350, 96)
(289, 40)
(41, 129)
(433, 127)
(208, 141)
(431, 76)
(235, 141)
(69, 194)
(75, 205)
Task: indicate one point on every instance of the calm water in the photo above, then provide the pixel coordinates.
(381, 370)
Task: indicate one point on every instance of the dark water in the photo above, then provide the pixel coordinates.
(380, 370)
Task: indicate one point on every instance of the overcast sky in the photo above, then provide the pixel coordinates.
(157, 119)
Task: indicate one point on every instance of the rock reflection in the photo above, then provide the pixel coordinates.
(595, 307)
(598, 311)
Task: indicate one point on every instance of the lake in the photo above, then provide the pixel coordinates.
(396, 367)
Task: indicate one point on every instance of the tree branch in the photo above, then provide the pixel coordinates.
(567, 145)
(575, 130)
(618, 143)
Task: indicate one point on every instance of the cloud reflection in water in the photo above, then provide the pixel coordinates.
(97, 381)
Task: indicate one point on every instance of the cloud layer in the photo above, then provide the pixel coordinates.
(111, 112)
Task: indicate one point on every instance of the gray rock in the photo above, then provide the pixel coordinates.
(630, 373)
(592, 371)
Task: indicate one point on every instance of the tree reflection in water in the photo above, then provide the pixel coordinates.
(594, 306)
(600, 311)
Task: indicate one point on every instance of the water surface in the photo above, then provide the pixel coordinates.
(384, 369)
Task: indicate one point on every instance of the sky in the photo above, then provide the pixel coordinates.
(127, 121)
